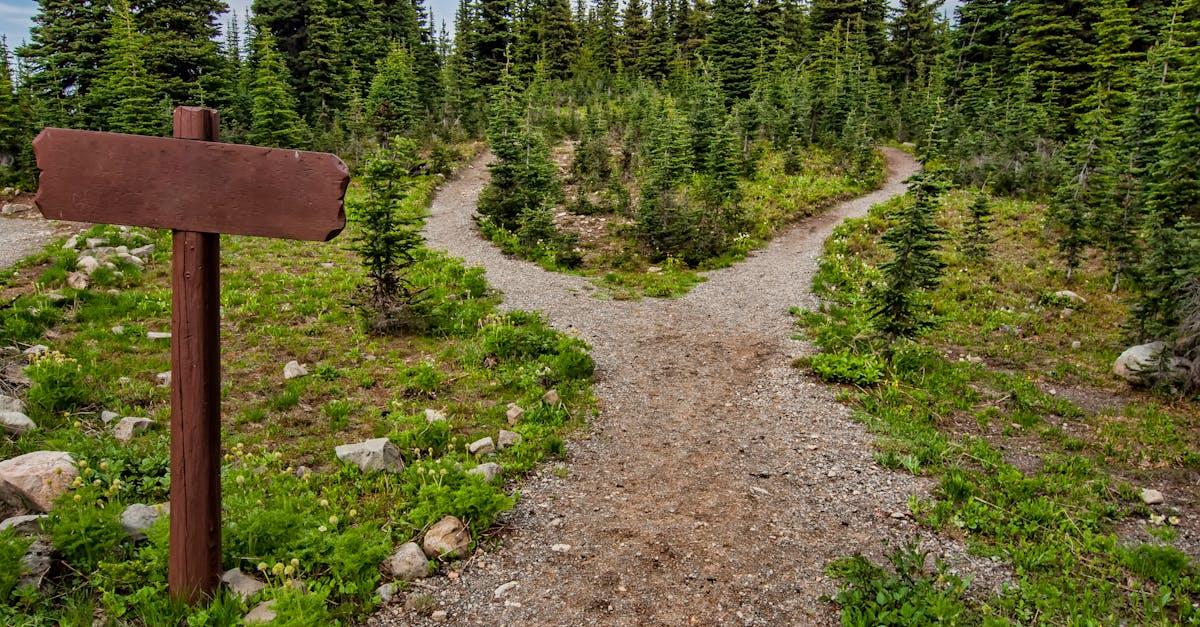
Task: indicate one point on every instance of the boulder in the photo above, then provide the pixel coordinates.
(35, 350)
(386, 593)
(1143, 364)
(448, 537)
(1152, 497)
(551, 397)
(78, 281)
(36, 563)
(371, 455)
(8, 403)
(13, 208)
(16, 423)
(163, 378)
(482, 446)
(241, 584)
(143, 251)
(137, 518)
(1070, 297)
(37, 478)
(407, 563)
(87, 264)
(27, 525)
(262, 613)
(72, 243)
(130, 426)
(488, 471)
(514, 413)
(507, 438)
(293, 370)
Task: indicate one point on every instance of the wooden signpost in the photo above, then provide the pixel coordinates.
(199, 189)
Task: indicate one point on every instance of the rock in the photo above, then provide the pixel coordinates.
(293, 369)
(560, 548)
(1152, 497)
(36, 349)
(482, 446)
(1142, 364)
(137, 518)
(371, 455)
(241, 584)
(448, 537)
(433, 415)
(386, 592)
(36, 563)
(163, 378)
(407, 563)
(439, 616)
(488, 471)
(507, 439)
(16, 423)
(143, 251)
(551, 397)
(26, 525)
(37, 478)
(72, 243)
(514, 413)
(8, 403)
(158, 335)
(503, 589)
(78, 281)
(1070, 296)
(95, 242)
(131, 259)
(303, 471)
(109, 416)
(1076, 345)
(130, 426)
(88, 264)
(13, 208)
(261, 614)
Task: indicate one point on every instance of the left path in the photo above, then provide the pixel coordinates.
(20, 237)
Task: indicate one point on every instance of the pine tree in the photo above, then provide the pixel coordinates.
(274, 119)
(915, 267)
(124, 92)
(180, 49)
(64, 55)
(731, 46)
(916, 39)
(522, 176)
(1050, 43)
(635, 37)
(323, 57)
(14, 128)
(606, 35)
(492, 38)
(865, 16)
(977, 239)
(980, 43)
(393, 98)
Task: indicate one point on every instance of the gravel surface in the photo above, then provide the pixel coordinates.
(717, 482)
(20, 238)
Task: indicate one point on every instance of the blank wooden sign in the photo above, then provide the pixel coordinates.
(200, 186)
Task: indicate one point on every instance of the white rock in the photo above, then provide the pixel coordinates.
(439, 616)
(551, 397)
(448, 537)
(72, 243)
(13, 208)
(95, 242)
(158, 335)
(27, 524)
(514, 413)
(482, 446)
(36, 349)
(143, 251)
(261, 614)
(507, 439)
(386, 592)
(1141, 364)
(16, 423)
(1068, 295)
(488, 471)
(109, 416)
(407, 563)
(78, 281)
(88, 264)
(371, 455)
(137, 518)
(503, 589)
(37, 478)
(8, 403)
(1152, 497)
(130, 426)
(1076, 345)
(241, 584)
(163, 378)
(293, 369)
(433, 415)
(560, 548)
(130, 259)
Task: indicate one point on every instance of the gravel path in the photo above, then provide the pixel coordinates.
(20, 238)
(717, 482)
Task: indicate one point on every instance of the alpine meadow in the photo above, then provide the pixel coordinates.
(639, 312)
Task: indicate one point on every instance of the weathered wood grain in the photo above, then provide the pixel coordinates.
(202, 186)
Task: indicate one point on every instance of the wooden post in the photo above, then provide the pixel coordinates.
(194, 566)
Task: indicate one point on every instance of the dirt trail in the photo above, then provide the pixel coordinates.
(22, 237)
(717, 482)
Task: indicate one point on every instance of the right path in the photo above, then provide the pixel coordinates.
(717, 482)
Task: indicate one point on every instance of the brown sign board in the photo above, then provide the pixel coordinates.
(188, 185)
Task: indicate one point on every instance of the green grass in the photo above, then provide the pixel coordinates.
(281, 301)
(1056, 521)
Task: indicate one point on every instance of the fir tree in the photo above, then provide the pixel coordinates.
(124, 92)
(492, 37)
(14, 128)
(323, 57)
(915, 267)
(635, 37)
(274, 120)
(522, 176)
(393, 99)
(731, 46)
(916, 39)
(977, 239)
(64, 56)
(180, 49)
